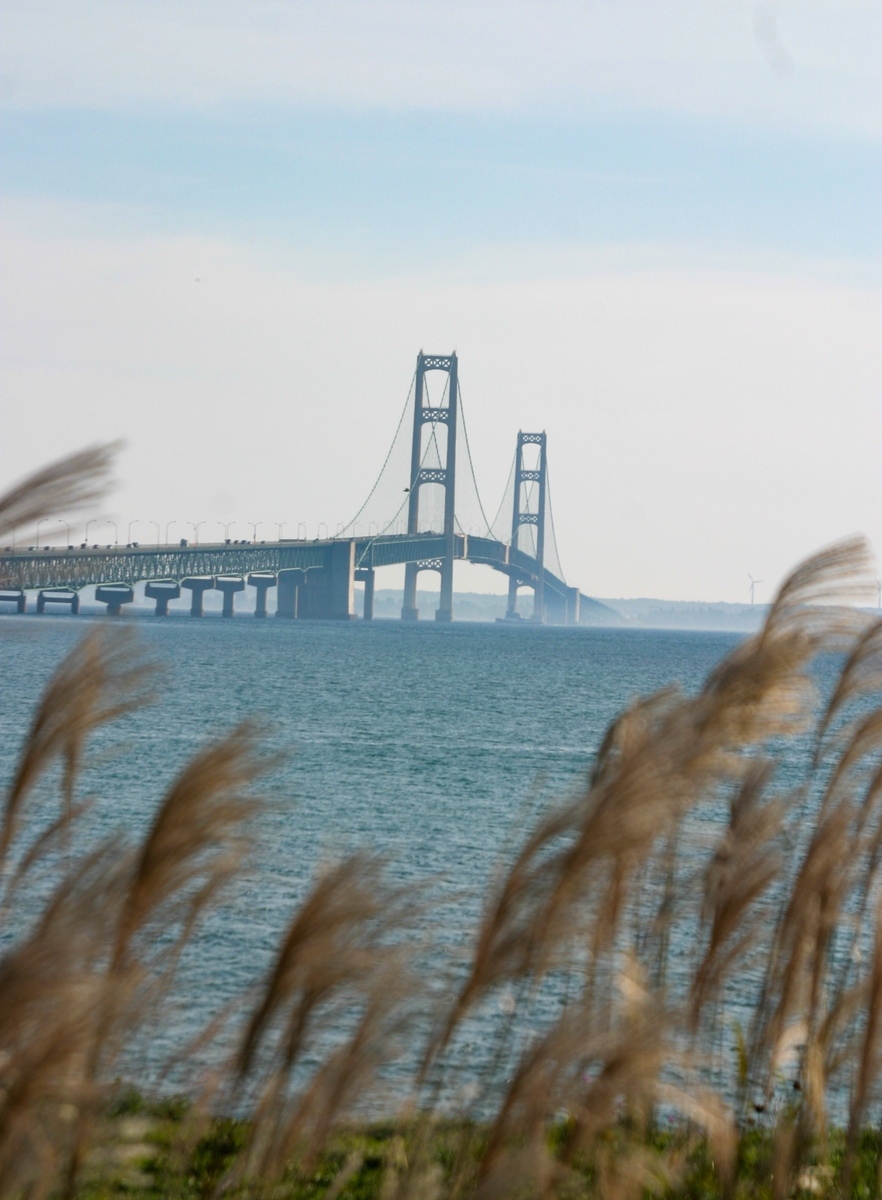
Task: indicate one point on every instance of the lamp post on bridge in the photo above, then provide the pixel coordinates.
(158, 530)
(226, 526)
(129, 533)
(94, 521)
(255, 525)
(115, 531)
(42, 521)
(280, 525)
(67, 527)
(168, 526)
(196, 525)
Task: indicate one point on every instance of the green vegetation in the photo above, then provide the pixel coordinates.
(160, 1157)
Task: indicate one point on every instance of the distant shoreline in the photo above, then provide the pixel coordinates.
(601, 612)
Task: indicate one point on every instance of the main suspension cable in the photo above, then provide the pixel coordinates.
(551, 516)
(471, 461)
(504, 494)
(388, 456)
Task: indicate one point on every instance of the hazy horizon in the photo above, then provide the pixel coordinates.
(651, 231)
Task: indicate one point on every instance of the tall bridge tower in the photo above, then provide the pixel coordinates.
(424, 414)
(519, 517)
(316, 579)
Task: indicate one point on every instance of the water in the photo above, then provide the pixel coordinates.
(431, 744)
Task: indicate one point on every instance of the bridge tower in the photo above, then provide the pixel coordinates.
(446, 476)
(519, 517)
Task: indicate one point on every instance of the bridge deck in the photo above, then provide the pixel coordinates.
(73, 569)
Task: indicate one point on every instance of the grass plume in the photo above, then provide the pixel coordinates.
(649, 921)
(65, 486)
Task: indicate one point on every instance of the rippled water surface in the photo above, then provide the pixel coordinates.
(430, 743)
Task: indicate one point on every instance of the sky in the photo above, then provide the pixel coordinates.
(649, 227)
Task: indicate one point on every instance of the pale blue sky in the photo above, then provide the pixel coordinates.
(651, 228)
(411, 185)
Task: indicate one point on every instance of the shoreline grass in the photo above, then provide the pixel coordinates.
(778, 905)
(146, 1149)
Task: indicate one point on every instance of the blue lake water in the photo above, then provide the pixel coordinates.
(432, 744)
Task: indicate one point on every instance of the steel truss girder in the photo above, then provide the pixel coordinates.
(76, 569)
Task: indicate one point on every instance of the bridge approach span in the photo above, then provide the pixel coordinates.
(315, 579)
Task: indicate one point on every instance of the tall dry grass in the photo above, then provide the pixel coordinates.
(710, 935)
(65, 486)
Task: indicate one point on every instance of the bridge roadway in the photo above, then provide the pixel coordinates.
(315, 579)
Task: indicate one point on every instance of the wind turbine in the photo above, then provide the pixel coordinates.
(753, 583)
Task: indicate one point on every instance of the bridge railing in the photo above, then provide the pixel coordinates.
(391, 549)
(75, 569)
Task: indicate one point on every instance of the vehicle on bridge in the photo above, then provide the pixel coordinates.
(316, 579)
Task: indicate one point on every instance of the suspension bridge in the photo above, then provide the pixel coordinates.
(424, 512)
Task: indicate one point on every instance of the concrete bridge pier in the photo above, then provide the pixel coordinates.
(539, 615)
(229, 587)
(444, 611)
(340, 594)
(557, 608)
(511, 612)
(409, 610)
(197, 587)
(573, 599)
(15, 596)
(328, 594)
(367, 578)
(114, 595)
(162, 593)
(290, 583)
(263, 583)
(59, 596)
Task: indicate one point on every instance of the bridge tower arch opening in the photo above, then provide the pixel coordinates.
(422, 476)
(529, 481)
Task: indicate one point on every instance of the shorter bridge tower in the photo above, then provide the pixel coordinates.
(519, 517)
(446, 476)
